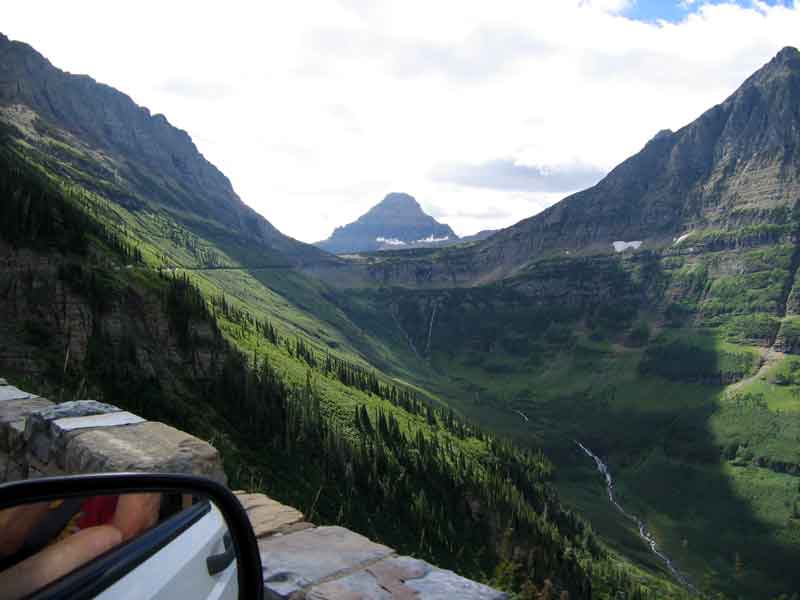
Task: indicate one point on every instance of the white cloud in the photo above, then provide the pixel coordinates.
(610, 6)
(509, 174)
(316, 111)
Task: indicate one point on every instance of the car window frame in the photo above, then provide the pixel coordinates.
(248, 556)
(99, 574)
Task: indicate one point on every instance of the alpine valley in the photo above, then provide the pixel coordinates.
(641, 334)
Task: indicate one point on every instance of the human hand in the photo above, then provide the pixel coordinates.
(57, 560)
(136, 513)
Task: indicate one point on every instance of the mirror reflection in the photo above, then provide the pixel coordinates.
(133, 545)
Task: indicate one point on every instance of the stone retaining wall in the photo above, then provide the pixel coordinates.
(40, 438)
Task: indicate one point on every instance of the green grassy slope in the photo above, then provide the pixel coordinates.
(178, 331)
(651, 361)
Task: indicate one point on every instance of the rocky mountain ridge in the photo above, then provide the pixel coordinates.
(110, 144)
(736, 168)
(397, 222)
(736, 165)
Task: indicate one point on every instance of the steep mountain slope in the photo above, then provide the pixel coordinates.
(100, 138)
(397, 221)
(737, 166)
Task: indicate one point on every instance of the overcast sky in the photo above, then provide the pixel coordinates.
(486, 111)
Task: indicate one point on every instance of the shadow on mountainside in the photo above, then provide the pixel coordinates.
(561, 354)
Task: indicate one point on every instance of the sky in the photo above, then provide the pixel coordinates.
(486, 111)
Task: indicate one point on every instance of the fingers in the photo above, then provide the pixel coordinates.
(136, 513)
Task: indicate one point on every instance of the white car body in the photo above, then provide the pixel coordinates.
(179, 570)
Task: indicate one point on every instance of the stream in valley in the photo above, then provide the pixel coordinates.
(643, 532)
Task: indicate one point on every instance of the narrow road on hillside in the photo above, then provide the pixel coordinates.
(643, 531)
(264, 268)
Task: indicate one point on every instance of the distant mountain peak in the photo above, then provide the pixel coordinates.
(395, 205)
(397, 221)
(399, 199)
(785, 65)
(787, 55)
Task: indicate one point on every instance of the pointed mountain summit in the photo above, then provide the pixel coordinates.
(398, 221)
(737, 165)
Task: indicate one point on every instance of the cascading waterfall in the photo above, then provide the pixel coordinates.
(643, 532)
(430, 332)
(405, 334)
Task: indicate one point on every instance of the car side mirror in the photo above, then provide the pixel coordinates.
(126, 535)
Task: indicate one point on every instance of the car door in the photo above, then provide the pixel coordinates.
(189, 556)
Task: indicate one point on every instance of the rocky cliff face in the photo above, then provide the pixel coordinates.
(397, 222)
(734, 173)
(137, 158)
(50, 313)
(737, 165)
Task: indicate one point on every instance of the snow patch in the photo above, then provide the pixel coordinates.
(432, 240)
(390, 241)
(622, 246)
(678, 240)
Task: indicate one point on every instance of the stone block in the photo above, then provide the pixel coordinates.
(113, 419)
(15, 410)
(15, 437)
(76, 408)
(385, 580)
(33, 469)
(267, 516)
(391, 574)
(9, 392)
(13, 471)
(294, 528)
(403, 578)
(45, 437)
(293, 563)
(358, 586)
(439, 584)
(8, 469)
(148, 446)
(12, 419)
